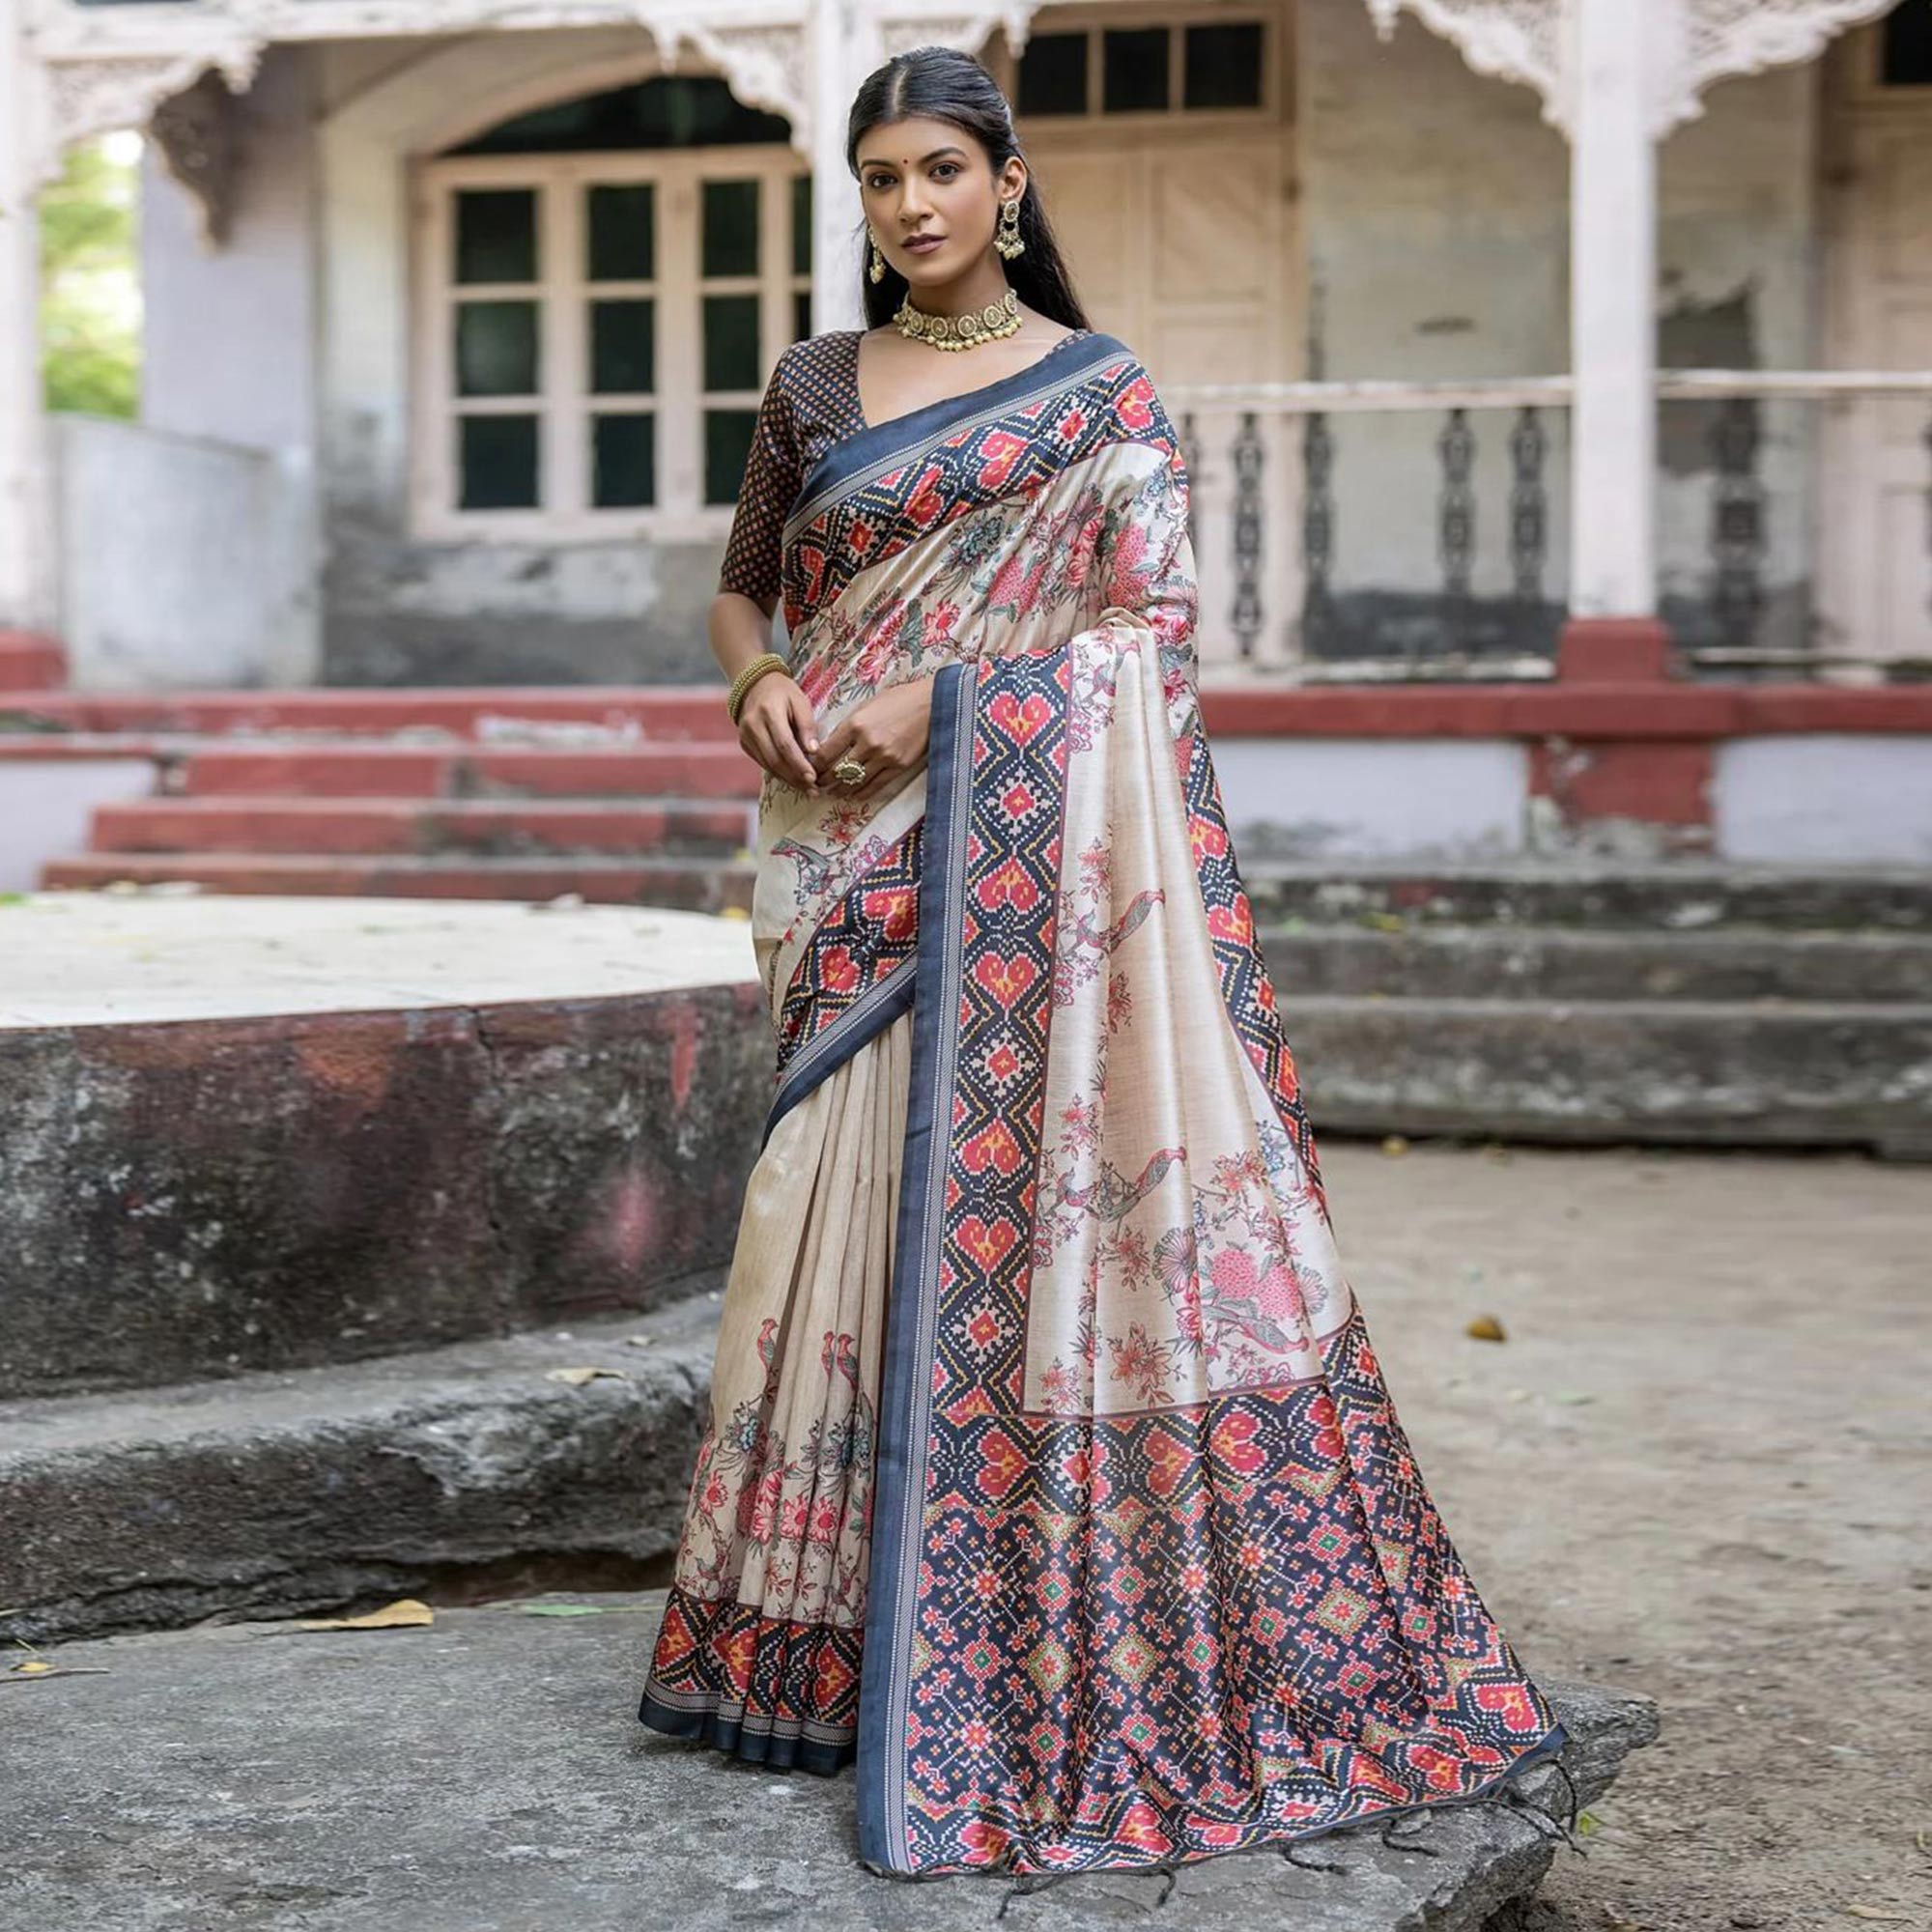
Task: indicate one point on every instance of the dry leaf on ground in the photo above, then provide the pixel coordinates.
(405, 1613)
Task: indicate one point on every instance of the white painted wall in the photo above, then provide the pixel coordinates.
(47, 803)
(1375, 798)
(1435, 205)
(228, 357)
(1824, 797)
(182, 558)
(229, 345)
(1435, 209)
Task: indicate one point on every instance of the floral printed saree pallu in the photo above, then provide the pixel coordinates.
(1051, 1473)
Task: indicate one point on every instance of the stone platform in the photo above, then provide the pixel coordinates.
(488, 1775)
(263, 1134)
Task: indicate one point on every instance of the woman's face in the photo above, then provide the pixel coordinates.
(920, 179)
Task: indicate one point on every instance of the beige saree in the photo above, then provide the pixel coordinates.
(1050, 1475)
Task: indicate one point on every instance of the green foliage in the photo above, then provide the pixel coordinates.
(91, 300)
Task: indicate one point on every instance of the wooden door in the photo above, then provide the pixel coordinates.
(1179, 228)
(1875, 563)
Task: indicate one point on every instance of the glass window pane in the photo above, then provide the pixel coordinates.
(1134, 67)
(497, 461)
(731, 228)
(497, 348)
(624, 462)
(621, 219)
(1906, 57)
(623, 347)
(1053, 74)
(731, 342)
(801, 315)
(1224, 65)
(495, 235)
(728, 443)
(801, 224)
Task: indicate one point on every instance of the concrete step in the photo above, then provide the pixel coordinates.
(1684, 897)
(691, 770)
(428, 828)
(692, 884)
(620, 714)
(1710, 1072)
(1525, 962)
(244, 1134)
(277, 1493)
(249, 1776)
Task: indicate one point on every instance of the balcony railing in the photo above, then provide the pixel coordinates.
(1364, 530)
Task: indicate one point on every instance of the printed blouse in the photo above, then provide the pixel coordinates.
(811, 402)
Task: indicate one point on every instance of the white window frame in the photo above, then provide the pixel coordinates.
(564, 405)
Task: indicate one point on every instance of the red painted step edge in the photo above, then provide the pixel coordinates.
(686, 769)
(31, 662)
(636, 714)
(652, 718)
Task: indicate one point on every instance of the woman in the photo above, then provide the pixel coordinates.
(1049, 1474)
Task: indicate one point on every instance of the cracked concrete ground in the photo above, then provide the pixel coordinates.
(1700, 1467)
(489, 1774)
(1697, 1468)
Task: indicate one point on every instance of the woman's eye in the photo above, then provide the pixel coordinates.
(880, 180)
(946, 168)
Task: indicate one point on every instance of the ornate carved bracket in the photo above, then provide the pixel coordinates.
(1696, 43)
(198, 133)
(121, 71)
(768, 65)
(1720, 38)
(1513, 40)
(969, 28)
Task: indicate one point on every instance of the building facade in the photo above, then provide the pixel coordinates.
(1491, 325)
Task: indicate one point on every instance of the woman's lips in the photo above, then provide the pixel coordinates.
(923, 244)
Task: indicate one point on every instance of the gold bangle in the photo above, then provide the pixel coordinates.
(765, 661)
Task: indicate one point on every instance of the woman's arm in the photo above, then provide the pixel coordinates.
(776, 726)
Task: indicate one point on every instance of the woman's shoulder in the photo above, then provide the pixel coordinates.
(829, 345)
(815, 361)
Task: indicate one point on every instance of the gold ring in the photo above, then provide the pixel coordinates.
(850, 770)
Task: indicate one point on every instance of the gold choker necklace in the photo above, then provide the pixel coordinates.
(959, 332)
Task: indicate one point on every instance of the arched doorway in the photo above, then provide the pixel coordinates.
(602, 284)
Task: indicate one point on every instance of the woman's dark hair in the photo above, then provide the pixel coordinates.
(945, 84)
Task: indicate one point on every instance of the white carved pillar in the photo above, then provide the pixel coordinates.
(27, 596)
(1612, 318)
(845, 47)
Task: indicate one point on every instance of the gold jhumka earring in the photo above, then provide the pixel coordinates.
(877, 270)
(1007, 236)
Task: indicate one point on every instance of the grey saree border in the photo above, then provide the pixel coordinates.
(856, 459)
(905, 1397)
(865, 1019)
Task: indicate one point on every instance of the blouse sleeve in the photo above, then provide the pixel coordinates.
(772, 478)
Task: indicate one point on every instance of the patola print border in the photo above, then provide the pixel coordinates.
(860, 506)
(1289, 1480)
(902, 1439)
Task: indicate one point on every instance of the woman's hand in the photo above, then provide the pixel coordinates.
(777, 727)
(888, 735)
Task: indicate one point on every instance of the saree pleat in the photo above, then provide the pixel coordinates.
(759, 1649)
(1050, 1475)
